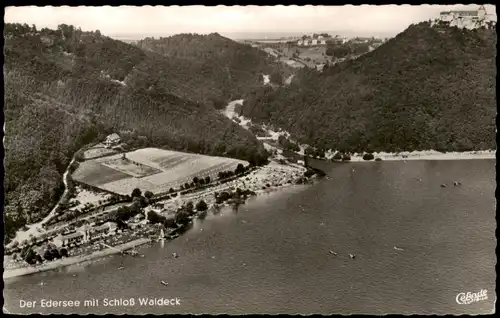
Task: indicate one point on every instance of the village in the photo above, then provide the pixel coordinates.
(317, 49)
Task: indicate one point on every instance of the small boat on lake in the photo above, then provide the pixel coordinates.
(352, 256)
(164, 283)
(333, 253)
(398, 249)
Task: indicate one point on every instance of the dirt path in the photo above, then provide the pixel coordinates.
(36, 229)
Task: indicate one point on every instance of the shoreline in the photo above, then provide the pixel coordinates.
(422, 155)
(256, 182)
(72, 260)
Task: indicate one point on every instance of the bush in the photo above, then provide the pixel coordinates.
(337, 156)
(346, 157)
(201, 206)
(378, 159)
(368, 156)
(63, 252)
(136, 192)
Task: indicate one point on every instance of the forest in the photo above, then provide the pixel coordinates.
(66, 88)
(430, 87)
(228, 69)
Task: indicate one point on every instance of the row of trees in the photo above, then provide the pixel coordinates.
(50, 253)
(181, 216)
(236, 195)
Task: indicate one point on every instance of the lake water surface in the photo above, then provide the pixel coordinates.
(272, 254)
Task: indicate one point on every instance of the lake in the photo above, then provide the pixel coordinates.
(271, 255)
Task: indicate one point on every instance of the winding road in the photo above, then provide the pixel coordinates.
(36, 229)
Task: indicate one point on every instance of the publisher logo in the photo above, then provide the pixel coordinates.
(469, 298)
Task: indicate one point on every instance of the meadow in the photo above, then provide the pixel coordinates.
(98, 151)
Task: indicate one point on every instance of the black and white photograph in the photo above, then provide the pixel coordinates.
(246, 159)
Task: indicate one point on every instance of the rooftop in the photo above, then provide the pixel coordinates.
(72, 235)
(460, 12)
(113, 136)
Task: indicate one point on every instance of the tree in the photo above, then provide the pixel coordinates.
(186, 185)
(55, 253)
(190, 207)
(153, 217)
(309, 151)
(64, 252)
(136, 193)
(207, 180)
(201, 206)
(181, 217)
(171, 190)
(346, 157)
(239, 169)
(38, 259)
(196, 180)
(47, 255)
(148, 194)
(368, 156)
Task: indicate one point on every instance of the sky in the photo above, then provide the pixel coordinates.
(130, 22)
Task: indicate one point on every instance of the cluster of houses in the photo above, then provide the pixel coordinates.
(86, 234)
(320, 40)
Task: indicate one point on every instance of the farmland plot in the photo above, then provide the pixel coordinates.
(95, 174)
(153, 169)
(127, 166)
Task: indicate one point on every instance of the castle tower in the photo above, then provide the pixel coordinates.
(481, 12)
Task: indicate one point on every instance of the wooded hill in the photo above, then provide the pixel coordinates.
(231, 68)
(66, 88)
(430, 87)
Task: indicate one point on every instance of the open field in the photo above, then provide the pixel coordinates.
(94, 173)
(130, 167)
(166, 169)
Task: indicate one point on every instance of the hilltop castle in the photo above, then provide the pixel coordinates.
(469, 19)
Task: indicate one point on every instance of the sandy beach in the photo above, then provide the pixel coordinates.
(424, 155)
(73, 260)
(274, 174)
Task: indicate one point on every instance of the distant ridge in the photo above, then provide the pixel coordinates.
(427, 88)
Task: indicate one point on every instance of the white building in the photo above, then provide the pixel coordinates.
(465, 18)
(112, 140)
(314, 42)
